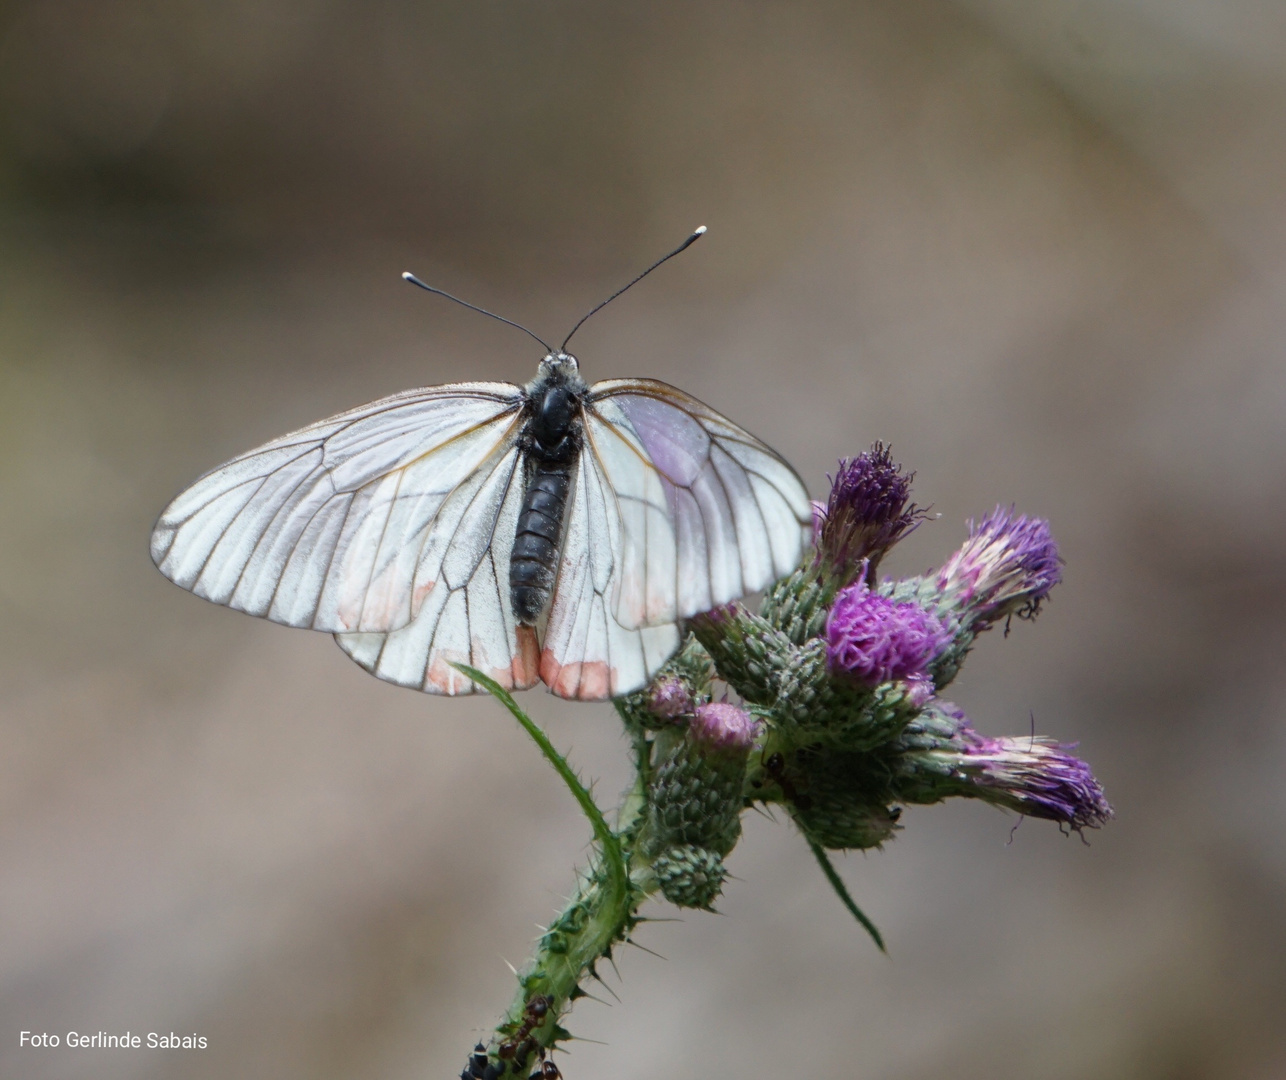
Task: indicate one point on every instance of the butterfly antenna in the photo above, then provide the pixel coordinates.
(408, 276)
(697, 233)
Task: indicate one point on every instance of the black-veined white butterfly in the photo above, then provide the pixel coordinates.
(615, 511)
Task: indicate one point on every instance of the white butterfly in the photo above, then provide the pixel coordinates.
(615, 511)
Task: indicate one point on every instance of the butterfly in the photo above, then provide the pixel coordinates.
(555, 532)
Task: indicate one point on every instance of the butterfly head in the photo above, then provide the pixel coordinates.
(559, 363)
(557, 369)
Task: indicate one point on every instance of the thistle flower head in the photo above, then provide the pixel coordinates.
(721, 726)
(867, 513)
(875, 639)
(1038, 777)
(1008, 566)
(1029, 774)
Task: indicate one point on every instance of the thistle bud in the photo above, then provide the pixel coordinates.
(669, 699)
(837, 823)
(690, 876)
(695, 793)
(749, 652)
(725, 729)
(867, 513)
(1007, 567)
(673, 694)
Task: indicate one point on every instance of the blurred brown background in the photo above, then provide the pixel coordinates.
(1039, 245)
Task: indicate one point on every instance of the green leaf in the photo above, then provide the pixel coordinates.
(837, 883)
(611, 845)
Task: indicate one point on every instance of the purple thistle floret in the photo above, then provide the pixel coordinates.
(1038, 777)
(1030, 774)
(919, 690)
(875, 639)
(721, 726)
(1008, 566)
(867, 513)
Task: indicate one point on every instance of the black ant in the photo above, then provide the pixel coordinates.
(521, 1045)
(775, 767)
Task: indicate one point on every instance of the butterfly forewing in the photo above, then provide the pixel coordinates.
(736, 517)
(300, 529)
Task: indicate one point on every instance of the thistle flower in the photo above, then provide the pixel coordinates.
(840, 675)
(1032, 775)
(1008, 566)
(867, 513)
(1038, 777)
(875, 639)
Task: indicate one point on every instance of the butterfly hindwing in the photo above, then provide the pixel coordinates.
(587, 654)
(466, 617)
(331, 527)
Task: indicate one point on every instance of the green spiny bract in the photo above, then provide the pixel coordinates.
(797, 605)
(842, 798)
(750, 654)
(844, 820)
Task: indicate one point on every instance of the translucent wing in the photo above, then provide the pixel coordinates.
(588, 655)
(466, 617)
(348, 524)
(708, 512)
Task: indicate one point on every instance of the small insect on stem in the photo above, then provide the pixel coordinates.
(521, 1046)
(775, 767)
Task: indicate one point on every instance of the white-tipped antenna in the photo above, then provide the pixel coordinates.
(408, 276)
(697, 233)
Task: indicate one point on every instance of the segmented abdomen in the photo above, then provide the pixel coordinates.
(534, 560)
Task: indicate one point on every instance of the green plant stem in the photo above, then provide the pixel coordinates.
(604, 907)
(600, 914)
(602, 833)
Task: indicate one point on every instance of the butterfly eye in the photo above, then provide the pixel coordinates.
(569, 361)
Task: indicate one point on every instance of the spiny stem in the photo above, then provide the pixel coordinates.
(601, 912)
(611, 846)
